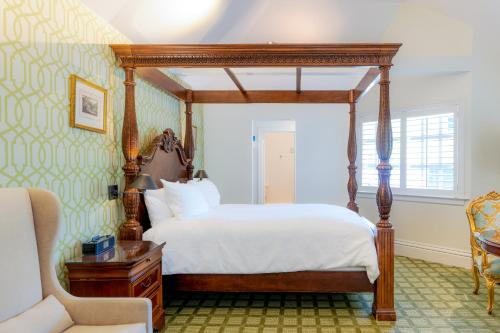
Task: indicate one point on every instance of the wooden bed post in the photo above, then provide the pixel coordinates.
(383, 304)
(188, 139)
(352, 185)
(131, 228)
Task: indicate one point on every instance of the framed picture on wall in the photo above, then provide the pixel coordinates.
(88, 105)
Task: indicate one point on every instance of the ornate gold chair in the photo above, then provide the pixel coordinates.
(484, 214)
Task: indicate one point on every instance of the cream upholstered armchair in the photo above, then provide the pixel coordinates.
(29, 223)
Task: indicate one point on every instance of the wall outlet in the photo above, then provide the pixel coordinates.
(112, 192)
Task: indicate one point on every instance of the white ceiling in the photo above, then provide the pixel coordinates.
(304, 21)
(253, 21)
(247, 21)
(271, 78)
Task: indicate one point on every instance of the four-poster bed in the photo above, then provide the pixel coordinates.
(167, 159)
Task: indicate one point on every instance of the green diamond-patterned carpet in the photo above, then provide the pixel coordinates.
(429, 298)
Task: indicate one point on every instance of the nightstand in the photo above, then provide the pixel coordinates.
(131, 269)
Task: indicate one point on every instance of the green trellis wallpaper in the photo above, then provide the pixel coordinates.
(42, 43)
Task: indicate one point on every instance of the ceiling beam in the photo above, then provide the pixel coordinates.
(233, 77)
(298, 79)
(367, 82)
(160, 80)
(270, 96)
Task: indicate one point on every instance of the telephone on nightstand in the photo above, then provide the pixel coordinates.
(98, 244)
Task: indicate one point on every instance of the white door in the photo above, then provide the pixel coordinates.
(279, 167)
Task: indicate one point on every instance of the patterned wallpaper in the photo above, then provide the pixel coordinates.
(198, 122)
(42, 43)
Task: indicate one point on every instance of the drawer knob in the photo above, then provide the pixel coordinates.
(147, 283)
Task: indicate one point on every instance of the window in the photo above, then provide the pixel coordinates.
(430, 152)
(424, 154)
(369, 173)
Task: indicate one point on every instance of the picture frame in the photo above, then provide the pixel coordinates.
(88, 105)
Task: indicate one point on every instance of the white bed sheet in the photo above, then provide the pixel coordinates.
(251, 239)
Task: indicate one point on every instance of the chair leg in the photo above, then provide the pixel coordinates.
(490, 284)
(475, 277)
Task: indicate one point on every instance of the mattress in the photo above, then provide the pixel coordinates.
(253, 239)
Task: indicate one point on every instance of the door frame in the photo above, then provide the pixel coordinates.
(260, 128)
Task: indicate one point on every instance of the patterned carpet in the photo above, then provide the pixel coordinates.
(429, 298)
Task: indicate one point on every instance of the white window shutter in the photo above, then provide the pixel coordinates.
(430, 152)
(369, 156)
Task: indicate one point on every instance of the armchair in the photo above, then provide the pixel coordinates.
(484, 215)
(29, 224)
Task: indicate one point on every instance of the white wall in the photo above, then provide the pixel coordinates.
(423, 228)
(439, 232)
(322, 132)
(485, 109)
(321, 144)
(450, 55)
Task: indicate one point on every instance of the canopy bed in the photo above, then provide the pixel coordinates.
(167, 159)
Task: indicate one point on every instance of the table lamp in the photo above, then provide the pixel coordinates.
(144, 182)
(201, 174)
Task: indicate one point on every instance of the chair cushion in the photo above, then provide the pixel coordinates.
(47, 316)
(130, 328)
(493, 269)
(20, 285)
(487, 215)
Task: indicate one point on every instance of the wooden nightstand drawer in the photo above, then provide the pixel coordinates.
(147, 282)
(131, 269)
(155, 298)
(147, 263)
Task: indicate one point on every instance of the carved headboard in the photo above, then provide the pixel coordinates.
(164, 158)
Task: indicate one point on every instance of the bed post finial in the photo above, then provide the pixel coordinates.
(383, 304)
(188, 139)
(352, 185)
(131, 228)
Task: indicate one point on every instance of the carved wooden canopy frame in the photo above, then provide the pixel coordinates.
(145, 59)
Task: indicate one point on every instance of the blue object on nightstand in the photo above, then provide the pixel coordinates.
(98, 244)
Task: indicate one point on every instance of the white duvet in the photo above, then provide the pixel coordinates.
(245, 239)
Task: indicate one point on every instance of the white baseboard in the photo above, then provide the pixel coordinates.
(433, 253)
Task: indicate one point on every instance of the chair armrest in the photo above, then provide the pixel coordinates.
(109, 311)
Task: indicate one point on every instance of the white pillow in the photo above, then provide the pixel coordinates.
(209, 191)
(47, 316)
(157, 206)
(185, 200)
